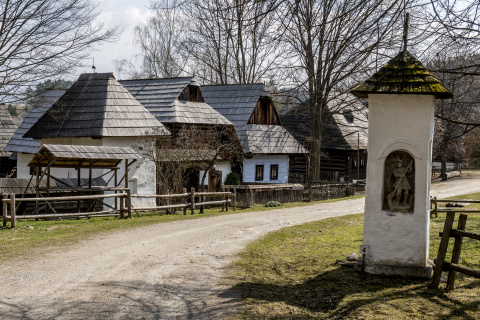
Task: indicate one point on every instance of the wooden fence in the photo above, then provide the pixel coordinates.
(434, 206)
(248, 196)
(324, 191)
(10, 203)
(453, 267)
(188, 201)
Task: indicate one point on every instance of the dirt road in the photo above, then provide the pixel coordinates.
(165, 271)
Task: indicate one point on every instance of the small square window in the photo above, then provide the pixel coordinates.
(259, 173)
(274, 172)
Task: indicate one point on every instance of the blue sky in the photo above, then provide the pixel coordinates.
(126, 13)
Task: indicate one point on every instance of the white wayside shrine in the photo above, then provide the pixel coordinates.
(401, 102)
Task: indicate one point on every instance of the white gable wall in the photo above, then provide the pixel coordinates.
(250, 164)
(23, 170)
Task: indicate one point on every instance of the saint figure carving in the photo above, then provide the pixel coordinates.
(401, 186)
(399, 182)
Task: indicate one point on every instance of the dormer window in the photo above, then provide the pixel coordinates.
(348, 114)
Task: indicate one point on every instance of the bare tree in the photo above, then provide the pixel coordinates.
(160, 40)
(233, 41)
(44, 39)
(333, 45)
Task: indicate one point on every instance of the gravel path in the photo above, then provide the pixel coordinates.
(165, 271)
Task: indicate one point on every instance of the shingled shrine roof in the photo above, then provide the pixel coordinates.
(404, 74)
(7, 129)
(174, 100)
(96, 105)
(28, 145)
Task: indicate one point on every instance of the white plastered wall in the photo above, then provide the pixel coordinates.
(266, 160)
(23, 170)
(224, 166)
(398, 123)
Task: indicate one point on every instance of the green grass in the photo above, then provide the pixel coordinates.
(26, 241)
(292, 274)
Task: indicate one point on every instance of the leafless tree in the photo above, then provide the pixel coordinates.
(335, 44)
(233, 41)
(44, 39)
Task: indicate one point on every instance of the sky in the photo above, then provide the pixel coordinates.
(127, 14)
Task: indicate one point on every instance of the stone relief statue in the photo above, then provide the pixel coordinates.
(399, 182)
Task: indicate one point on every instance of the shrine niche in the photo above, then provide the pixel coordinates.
(399, 182)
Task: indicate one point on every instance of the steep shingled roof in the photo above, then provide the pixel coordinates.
(7, 129)
(348, 122)
(237, 102)
(28, 145)
(162, 98)
(96, 105)
(404, 74)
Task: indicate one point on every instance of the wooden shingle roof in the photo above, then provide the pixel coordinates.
(162, 98)
(7, 129)
(268, 139)
(237, 102)
(348, 123)
(28, 145)
(74, 156)
(96, 105)
(404, 74)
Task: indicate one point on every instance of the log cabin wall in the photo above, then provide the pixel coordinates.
(264, 113)
(335, 164)
(191, 93)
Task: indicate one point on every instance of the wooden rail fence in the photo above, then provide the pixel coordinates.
(189, 201)
(434, 206)
(453, 267)
(10, 206)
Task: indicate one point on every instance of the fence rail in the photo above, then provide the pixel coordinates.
(453, 267)
(10, 206)
(229, 198)
(434, 206)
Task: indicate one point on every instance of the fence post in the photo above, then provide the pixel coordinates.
(192, 201)
(122, 207)
(234, 199)
(457, 249)
(184, 190)
(13, 221)
(129, 204)
(5, 211)
(226, 202)
(442, 249)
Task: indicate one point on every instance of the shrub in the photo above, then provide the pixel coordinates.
(232, 179)
(273, 204)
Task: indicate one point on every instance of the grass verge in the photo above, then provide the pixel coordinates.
(292, 274)
(30, 236)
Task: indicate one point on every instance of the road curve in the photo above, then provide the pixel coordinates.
(165, 271)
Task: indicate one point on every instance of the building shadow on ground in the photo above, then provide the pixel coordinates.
(343, 292)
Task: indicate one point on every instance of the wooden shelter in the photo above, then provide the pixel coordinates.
(102, 161)
(266, 143)
(7, 129)
(344, 138)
